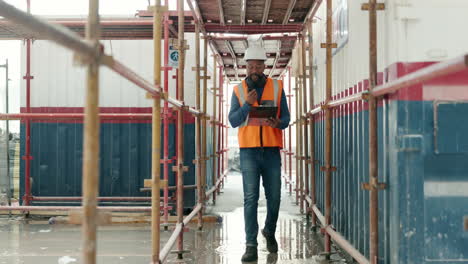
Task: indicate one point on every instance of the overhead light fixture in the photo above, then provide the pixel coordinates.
(270, 20)
(249, 20)
(209, 20)
(291, 20)
(229, 21)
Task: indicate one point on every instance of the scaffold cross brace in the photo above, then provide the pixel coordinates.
(328, 168)
(198, 68)
(185, 46)
(28, 77)
(373, 185)
(367, 6)
(27, 157)
(166, 67)
(176, 168)
(366, 95)
(147, 183)
(326, 45)
(76, 218)
(168, 161)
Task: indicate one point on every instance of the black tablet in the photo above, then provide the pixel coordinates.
(258, 115)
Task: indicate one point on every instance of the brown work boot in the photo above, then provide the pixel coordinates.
(272, 245)
(250, 254)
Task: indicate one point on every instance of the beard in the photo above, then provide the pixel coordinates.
(257, 78)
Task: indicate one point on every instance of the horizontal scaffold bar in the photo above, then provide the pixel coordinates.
(436, 70)
(71, 40)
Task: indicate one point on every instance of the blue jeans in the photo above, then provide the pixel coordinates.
(264, 162)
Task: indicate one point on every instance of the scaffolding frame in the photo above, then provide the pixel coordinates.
(326, 109)
(91, 53)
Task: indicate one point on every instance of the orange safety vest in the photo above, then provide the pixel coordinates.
(249, 136)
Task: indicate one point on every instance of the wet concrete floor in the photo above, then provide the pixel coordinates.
(37, 242)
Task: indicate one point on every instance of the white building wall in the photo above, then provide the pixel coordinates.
(59, 83)
(408, 31)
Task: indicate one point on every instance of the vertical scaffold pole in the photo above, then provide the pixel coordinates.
(214, 126)
(328, 126)
(298, 154)
(180, 133)
(7, 110)
(289, 132)
(218, 154)
(166, 118)
(300, 148)
(373, 186)
(205, 116)
(305, 135)
(156, 137)
(91, 141)
(198, 126)
(312, 123)
(27, 155)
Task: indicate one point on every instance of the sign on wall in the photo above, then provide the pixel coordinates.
(173, 57)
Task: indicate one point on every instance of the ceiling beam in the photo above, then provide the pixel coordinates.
(243, 10)
(291, 5)
(266, 11)
(278, 54)
(246, 44)
(284, 55)
(243, 67)
(265, 37)
(233, 54)
(221, 13)
(251, 29)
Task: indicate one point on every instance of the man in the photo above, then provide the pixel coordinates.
(259, 148)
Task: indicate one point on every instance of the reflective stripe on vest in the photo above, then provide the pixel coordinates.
(260, 136)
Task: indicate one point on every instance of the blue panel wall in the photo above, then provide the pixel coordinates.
(420, 144)
(125, 161)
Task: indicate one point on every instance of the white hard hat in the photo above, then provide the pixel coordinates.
(255, 53)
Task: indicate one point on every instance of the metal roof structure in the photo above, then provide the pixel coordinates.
(278, 21)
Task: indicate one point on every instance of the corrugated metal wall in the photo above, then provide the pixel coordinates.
(421, 210)
(58, 87)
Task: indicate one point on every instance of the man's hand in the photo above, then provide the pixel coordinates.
(252, 97)
(273, 122)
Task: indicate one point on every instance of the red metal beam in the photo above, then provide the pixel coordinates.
(253, 29)
(80, 116)
(76, 208)
(74, 198)
(267, 37)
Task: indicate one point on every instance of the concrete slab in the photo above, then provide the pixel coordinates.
(23, 241)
